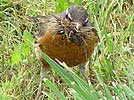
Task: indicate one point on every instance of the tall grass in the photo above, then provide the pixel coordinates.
(112, 67)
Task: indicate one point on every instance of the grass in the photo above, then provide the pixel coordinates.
(111, 71)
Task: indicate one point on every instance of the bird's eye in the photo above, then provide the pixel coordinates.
(85, 22)
(68, 16)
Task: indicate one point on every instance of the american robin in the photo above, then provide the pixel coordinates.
(67, 36)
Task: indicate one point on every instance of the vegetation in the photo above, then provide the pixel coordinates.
(112, 67)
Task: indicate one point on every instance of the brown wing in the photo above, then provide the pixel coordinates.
(42, 23)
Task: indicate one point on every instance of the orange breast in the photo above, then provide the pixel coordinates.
(55, 46)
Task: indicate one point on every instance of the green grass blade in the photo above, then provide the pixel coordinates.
(85, 87)
(54, 89)
(79, 88)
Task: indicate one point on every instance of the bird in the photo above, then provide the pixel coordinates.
(68, 37)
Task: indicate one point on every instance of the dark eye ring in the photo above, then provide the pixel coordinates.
(68, 16)
(85, 22)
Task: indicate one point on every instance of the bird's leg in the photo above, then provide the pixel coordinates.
(43, 74)
(83, 71)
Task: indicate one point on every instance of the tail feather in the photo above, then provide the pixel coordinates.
(32, 19)
(37, 19)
